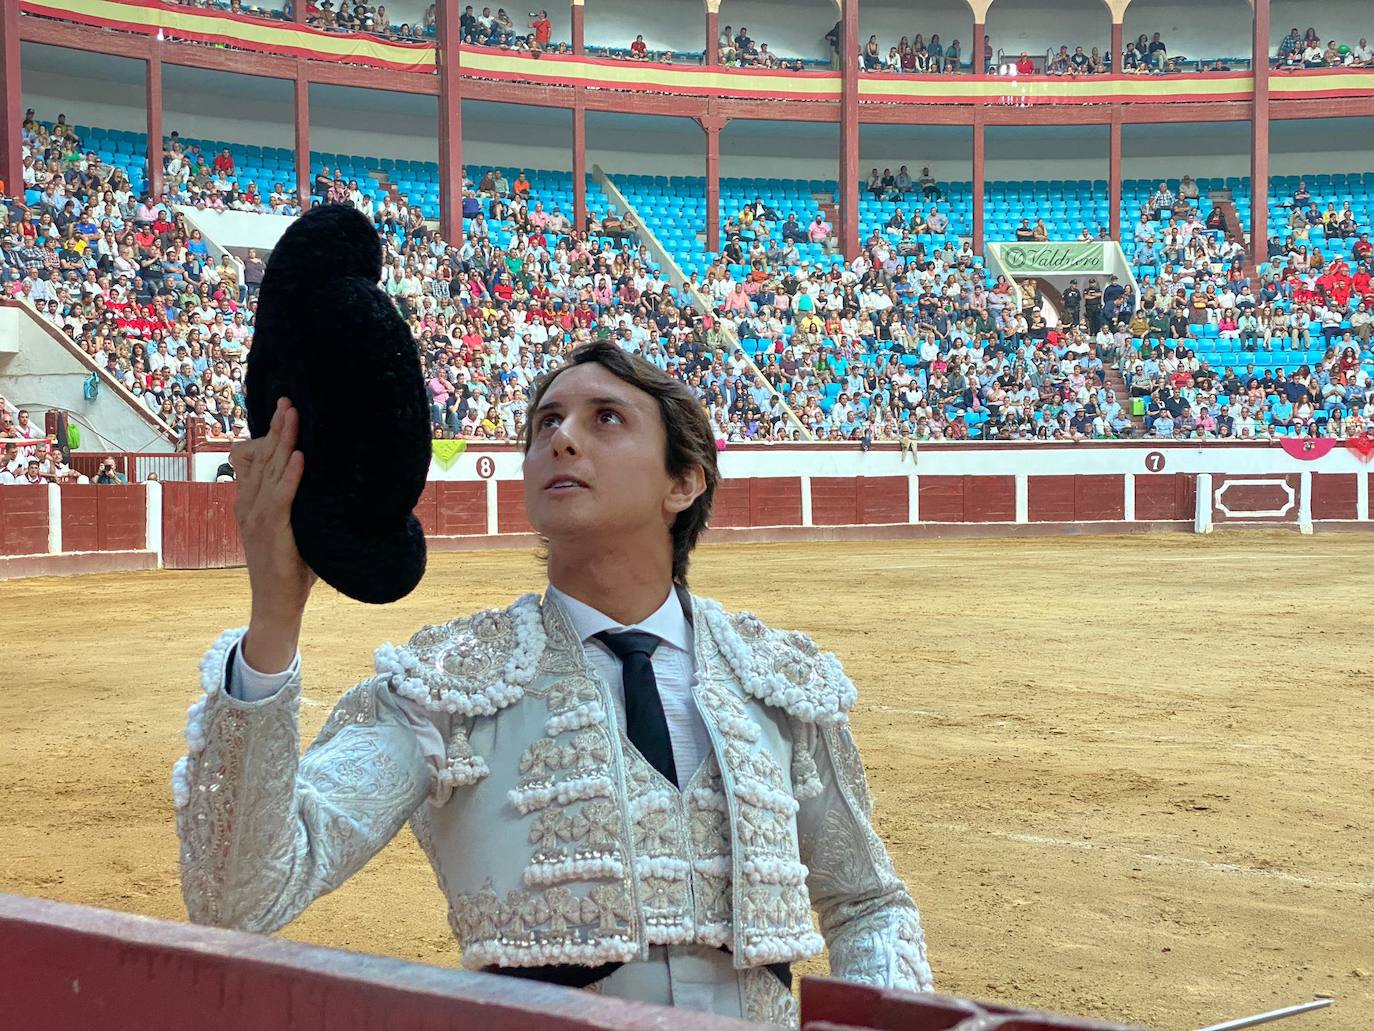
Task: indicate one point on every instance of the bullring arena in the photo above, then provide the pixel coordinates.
(1056, 428)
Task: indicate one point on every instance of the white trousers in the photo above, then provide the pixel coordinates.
(698, 977)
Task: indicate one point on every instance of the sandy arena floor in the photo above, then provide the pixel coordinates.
(1126, 777)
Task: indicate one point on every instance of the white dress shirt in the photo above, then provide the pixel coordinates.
(674, 662)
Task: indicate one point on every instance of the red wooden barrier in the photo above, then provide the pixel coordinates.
(968, 499)
(775, 501)
(510, 508)
(1075, 499)
(23, 520)
(98, 517)
(1334, 495)
(461, 508)
(731, 505)
(198, 526)
(883, 499)
(830, 1005)
(1165, 496)
(72, 968)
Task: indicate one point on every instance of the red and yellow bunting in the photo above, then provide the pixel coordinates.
(151, 18)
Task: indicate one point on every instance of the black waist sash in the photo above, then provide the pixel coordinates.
(573, 975)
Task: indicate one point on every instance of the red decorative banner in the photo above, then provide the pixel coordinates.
(1309, 449)
(1362, 447)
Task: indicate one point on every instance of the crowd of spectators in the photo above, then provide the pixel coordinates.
(142, 296)
(909, 341)
(1310, 313)
(1306, 50)
(741, 50)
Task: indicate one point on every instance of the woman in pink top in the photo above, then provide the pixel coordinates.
(738, 300)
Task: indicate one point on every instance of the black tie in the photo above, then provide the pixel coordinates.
(645, 724)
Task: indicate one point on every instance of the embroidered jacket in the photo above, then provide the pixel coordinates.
(553, 840)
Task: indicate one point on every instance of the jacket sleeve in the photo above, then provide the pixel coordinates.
(265, 831)
(872, 927)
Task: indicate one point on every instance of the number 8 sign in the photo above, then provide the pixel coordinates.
(486, 467)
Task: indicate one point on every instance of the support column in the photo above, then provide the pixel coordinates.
(849, 130)
(712, 33)
(1114, 175)
(712, 124)
(579, 123)
(11, 132)
(1259, 139)
(298, 9)
(302, 113)
(154, 126)
(448, 59)
(980, 35)
(979, 180)
(1118, 12)
(579, 159)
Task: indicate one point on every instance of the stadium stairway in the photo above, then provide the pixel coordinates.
(663, 256)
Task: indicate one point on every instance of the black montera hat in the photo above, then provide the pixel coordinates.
(329, 339)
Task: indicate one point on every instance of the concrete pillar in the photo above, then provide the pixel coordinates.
(578, 13)
(448, 59)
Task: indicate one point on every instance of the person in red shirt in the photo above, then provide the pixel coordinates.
(542, 28)
(1363, 250)
(639, 50)
(224, 162)
(1024, 65)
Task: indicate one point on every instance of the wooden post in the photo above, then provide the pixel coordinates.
(11, 129)
(712, 125)
(448, 58)
(578, 13)
(1259, 139)
(302, 112)
(979, 177)
(1114, 175)
(579, 158)
(579, 123)
(712, 33)
(980, 36)
(154, 126)
(849, 130)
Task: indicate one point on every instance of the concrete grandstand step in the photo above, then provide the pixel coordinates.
(1116, 382)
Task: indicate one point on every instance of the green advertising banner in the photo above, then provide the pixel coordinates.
(1049, 259)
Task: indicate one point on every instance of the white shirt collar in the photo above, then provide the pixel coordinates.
(668, 622)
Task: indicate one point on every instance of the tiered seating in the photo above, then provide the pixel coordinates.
(1067, 206)
(674, 209)
(1357, 188)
